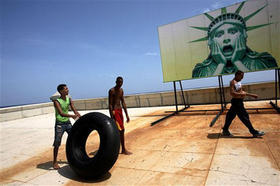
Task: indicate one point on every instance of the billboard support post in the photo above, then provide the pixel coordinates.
(183, 97)
(175, 93)
(221, 88)
(276, 89)
(176, 104)
(277, 81)
(222, 98)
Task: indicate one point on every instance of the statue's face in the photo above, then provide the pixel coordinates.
(226, 37)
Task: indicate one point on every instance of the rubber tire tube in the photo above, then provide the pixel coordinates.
(108, 151)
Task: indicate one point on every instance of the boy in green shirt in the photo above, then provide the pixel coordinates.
(62, 122)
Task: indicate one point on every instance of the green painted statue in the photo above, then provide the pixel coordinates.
(227, 37)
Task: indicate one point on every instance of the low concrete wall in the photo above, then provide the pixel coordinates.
(266, 91)
(18, 112)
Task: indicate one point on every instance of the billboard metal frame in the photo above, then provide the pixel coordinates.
(222, 100)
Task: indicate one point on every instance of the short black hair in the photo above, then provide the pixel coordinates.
(238, 72)
(119, 78)
(61, 87)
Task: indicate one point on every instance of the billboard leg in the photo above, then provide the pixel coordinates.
(182, 92)
(172, 114)
(277, 81)
(222, 98)
(175, 93)
(223, 92)
(176, 103)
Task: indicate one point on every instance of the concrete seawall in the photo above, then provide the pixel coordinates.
(266, 91)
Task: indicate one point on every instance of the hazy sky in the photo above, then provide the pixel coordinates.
(87, 44)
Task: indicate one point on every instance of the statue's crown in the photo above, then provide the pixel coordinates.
(227, 17)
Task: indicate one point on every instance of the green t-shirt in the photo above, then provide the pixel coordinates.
(64, 104)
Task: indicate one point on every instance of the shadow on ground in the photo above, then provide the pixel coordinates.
(67, 172)
(219, 135)
(49, 165)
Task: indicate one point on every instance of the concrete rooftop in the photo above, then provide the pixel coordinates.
(181, 150)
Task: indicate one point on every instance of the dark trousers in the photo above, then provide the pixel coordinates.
(237, 108)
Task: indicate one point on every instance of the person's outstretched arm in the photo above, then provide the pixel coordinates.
(252, 95)
(124, 107)
(74, 109)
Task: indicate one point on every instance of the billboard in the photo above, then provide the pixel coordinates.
(244, 36)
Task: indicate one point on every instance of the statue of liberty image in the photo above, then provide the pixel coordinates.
(227, 37)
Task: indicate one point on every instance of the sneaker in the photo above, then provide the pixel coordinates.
(258, 134)
(226, 133)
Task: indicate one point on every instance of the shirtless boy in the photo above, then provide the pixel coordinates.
(237, 106)
(116, 103)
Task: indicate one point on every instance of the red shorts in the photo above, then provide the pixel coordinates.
(118, 116)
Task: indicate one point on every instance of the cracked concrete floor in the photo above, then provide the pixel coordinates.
(181, 150)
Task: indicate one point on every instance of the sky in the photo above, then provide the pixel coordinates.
(86, 44)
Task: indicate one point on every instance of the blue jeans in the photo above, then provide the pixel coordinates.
(59, 129)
